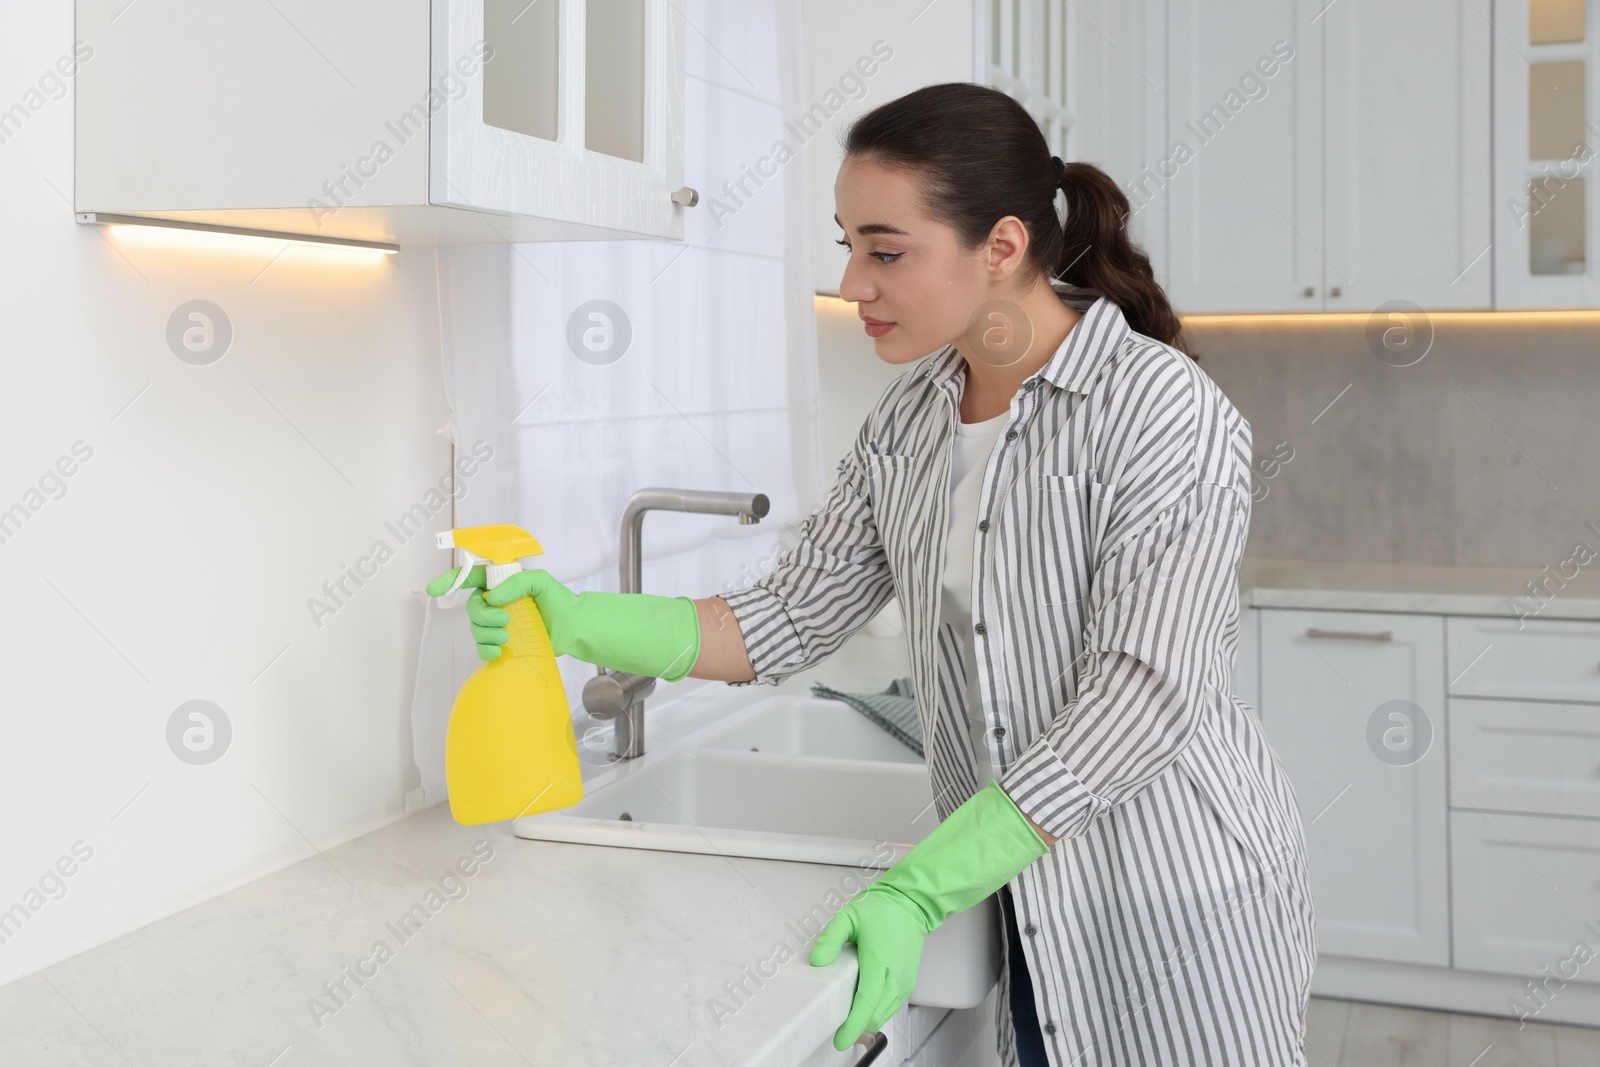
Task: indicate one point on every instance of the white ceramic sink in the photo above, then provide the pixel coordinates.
(814, 727)
(750, 804)
(710, 794)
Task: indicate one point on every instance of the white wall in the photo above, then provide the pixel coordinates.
(176, 562)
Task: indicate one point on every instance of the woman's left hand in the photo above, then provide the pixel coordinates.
(979, 848)
(888, 940)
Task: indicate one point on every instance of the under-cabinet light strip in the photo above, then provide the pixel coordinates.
(100, 218)
(1262, 318)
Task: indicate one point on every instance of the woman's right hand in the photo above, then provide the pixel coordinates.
(656, 636)
(489, 622)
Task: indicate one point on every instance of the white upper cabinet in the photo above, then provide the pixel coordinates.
(1242, 165)
(405, 121)
(601, 146)
(1545, 189)
(1114, 95)
(1327, 157)
(1406, 189)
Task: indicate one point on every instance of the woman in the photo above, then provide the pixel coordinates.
(1060, 497)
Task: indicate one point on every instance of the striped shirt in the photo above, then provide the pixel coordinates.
(1172, 924)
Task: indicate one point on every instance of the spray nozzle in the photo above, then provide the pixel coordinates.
(497, 548)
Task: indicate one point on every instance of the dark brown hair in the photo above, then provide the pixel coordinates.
(981, 157)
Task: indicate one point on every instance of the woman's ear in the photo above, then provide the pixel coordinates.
(1007, 248)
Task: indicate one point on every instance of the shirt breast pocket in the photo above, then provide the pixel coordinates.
(1067, 523)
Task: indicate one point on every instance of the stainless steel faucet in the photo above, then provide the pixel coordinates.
(618, 694)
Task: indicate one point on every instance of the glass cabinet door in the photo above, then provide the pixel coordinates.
(521, 85)
(1546, 143)
(614, 78)
(574, 131)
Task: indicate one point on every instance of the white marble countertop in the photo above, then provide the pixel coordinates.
(546, 954)
(1427, 588)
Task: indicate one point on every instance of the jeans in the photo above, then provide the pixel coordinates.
(1024, 1016)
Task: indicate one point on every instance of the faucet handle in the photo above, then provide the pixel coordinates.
(611, 693)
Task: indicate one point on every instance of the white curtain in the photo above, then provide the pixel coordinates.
(715, 389)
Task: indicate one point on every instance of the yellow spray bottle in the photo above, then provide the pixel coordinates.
(510, 750)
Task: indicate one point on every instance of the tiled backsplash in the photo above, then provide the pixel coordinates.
(1481, 453)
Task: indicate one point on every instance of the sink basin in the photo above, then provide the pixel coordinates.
(811, 809)
(814, 727)
(814, 810)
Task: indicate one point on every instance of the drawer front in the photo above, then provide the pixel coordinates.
(1539, 759)
(1526, 895)
(1533, 659)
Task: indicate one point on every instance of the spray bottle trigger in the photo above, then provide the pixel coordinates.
(461, 576)
(446, 539)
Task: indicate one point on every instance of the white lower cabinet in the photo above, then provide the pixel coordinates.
(1527, 895)
(1353, 703)
(1525, 789)
(1455, 859)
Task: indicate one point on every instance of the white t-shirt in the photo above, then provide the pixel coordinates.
(970, 450)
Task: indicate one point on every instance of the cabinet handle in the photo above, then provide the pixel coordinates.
(875, 1049)
(686, 196)
(1358, 635)
(1334, 291)
(1309, 290)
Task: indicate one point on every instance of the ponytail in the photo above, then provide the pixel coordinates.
(1097, 254)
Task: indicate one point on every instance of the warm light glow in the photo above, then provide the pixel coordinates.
(243, 246)
(1335, 317)
(1265, 318)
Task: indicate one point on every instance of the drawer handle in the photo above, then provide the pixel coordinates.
(875, 1048)
(1358, 635)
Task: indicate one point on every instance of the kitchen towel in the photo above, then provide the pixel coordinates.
(894, 709)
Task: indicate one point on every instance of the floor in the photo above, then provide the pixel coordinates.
(1346, 1033)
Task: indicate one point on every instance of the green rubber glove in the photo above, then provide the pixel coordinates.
(657, 636)
(979, 848)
